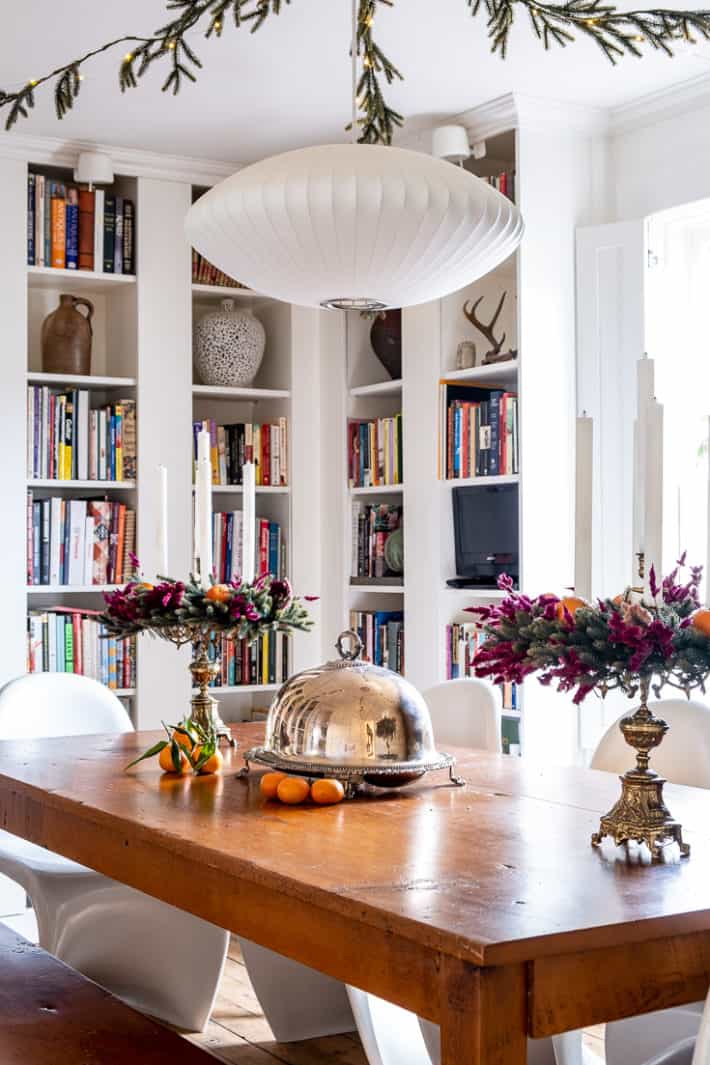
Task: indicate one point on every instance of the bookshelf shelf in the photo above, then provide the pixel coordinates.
(226, 292)
(473, 594)
(81, 280)
(460, 482)
(504, 374)
(251, 394)
(382, 388)
(93, 485)
(378, 589)
(59, 380)
(123, 693)
(261, 489)
(70, 589)
(377, 490)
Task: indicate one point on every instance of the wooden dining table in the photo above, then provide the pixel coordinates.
(483, 908)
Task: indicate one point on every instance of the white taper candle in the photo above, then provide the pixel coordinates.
(203, 492)
(584, 466)
(249, 521)
(163, 522)
(653, 508)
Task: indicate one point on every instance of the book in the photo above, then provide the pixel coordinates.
(99, 229)
(371, 525)
(118, 236)
(31, 221)
(87, 202)
(231, 444)
(71, 251)
(58, 225)
(109, 236)
(128, 237)
(70, 640)
(477, 431)
(375, 452)
(382, 635)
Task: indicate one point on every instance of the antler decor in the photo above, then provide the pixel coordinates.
(494, 355)
(617, 33)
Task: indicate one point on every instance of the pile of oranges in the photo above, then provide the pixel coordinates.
(187, 749)
(295, 790)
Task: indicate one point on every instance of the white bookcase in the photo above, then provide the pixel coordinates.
(318, 370)
(142, 348)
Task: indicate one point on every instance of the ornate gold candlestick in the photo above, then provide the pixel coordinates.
(641, 814)
(205, 708)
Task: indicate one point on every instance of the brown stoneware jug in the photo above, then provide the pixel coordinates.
(66, 337)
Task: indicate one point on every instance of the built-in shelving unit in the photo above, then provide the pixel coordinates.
(70, 589)
(81, 281)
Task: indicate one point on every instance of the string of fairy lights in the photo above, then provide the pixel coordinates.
(617, 33)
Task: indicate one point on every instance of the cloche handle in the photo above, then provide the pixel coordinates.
(355, 650)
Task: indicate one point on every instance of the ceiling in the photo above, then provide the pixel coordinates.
(288, 85)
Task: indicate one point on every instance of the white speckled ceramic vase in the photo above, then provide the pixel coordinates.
(229, 346)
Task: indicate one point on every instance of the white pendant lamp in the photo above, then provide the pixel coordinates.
(354, 226)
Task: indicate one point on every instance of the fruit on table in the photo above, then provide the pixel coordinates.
(213, 764)
(292, 790)
(327, 792)
(167, 763)
(269, 783)
(219, 593)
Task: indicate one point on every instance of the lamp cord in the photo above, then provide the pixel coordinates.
(353, 66)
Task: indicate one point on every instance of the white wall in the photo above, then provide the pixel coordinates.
(661, 164)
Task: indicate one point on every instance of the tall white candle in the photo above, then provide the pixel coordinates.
(248, 521)
(203, 494)
(707, 560)
(644, 395)
(163, 522)
(583, 507)
(653, 509)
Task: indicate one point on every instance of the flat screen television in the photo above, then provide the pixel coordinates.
(485, 534)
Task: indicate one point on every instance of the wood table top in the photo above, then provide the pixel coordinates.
(499, 871)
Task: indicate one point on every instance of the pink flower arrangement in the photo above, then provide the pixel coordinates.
(237, 609)
(612, 644)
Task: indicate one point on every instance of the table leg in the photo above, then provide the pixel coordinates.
(483, 1015)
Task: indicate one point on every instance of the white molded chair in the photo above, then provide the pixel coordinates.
(159, 959)
(464, 713)
(683, 758)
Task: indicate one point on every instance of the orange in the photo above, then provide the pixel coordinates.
(327, 792)
(184, 740)
(219, 593)
(212, 765)
(144, 586)
(701, 621)
(572, 603)
(292, 790)
(269, 783)
(166, 761)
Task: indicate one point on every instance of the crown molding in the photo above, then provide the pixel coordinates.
(519, 111)
(662, 104)
(55, 151)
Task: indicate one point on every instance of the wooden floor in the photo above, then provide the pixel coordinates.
(238, 1032)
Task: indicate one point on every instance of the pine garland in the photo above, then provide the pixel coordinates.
(617, 33)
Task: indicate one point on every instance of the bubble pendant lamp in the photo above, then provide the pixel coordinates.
(354, 226)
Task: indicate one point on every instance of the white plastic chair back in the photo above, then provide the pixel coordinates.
(464, 714)
(39, 705)
(684, 755)
(701, 1055)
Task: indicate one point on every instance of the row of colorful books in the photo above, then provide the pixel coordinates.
(204, 273)
(233, 445)
(463, 641)
(79, 541)
(375, 452)
(79, 229)
(382, 635)
(68, 440)
(266, 661)
(503, 182)
(70, 641)
(480, 430)
(372, 524)
(227, 534)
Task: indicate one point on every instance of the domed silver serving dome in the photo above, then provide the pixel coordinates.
(353, 721)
